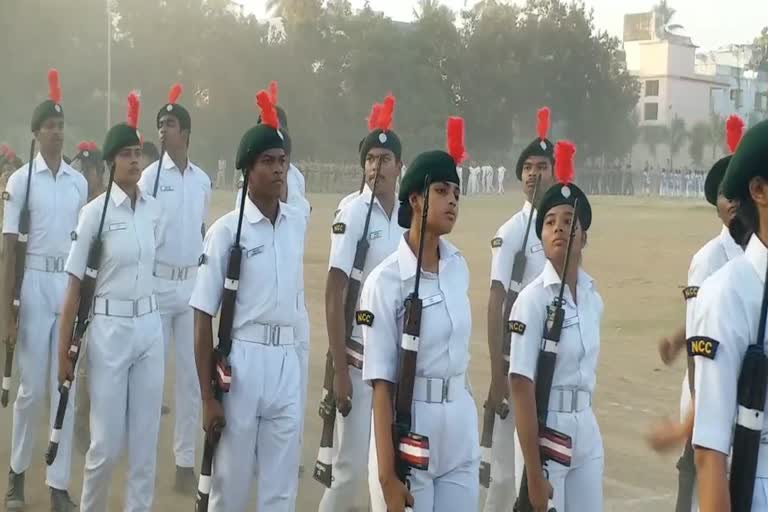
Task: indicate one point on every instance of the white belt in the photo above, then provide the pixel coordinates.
(569, 400)
(171, 273)
(45, 263)
(437, 391)
(125, 308)
(265, 334)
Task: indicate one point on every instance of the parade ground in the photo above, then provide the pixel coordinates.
(638, 252)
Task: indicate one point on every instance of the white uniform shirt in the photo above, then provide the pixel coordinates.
(54, 203)
(348, 198)
(446, 321)
(270, 270)
(384, 235)
(184, 199)
(726, 323)
(502, 171)
(509, 240)
(129, 241)
(577, 355)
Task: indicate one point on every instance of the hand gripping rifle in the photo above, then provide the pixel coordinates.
(411, 449)
(502, 409)
(87, 291)
(21, 257)
(553, 445)
(749, 418)
(323, 472)
(222, 372)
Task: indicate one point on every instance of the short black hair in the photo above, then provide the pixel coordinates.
(745, 222)
(150, 151)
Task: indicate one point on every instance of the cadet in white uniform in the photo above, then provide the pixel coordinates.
(261, 412)
(56, 194)
(381, 149)
(707, 260)
(125, 342)
(728, 309)
(535, 163)
(443, 408)
(578, 487)
(183, 191)
(501, 172)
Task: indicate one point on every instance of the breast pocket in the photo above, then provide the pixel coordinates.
(120, 243)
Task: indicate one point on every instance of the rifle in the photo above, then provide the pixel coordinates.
(411, 449)
(222, 372)
(159, 167)
(545, 372)
(21, 257)
(87, 291)
(749, 419)
(323, 472)
(502, 409)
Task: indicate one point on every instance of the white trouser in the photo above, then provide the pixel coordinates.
(501, 185)
(263, 417)
(38, 361)
(580, 487)
(125, 378)
(302, 350)
(178, 324)
(451, 484)
(686, 405)
(351, 443)
(502, 490)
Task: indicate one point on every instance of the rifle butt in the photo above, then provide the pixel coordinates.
(61, 410)
(486, 442)
(7, 373)
(204, 482)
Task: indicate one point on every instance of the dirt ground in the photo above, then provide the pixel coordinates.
(638, 252)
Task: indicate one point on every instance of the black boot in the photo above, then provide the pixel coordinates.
(186, 482)
(61, 502)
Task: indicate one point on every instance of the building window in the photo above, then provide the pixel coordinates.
(736, 97)
(651, 112)
(651, 87)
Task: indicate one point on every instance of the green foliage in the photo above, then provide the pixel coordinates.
(331, 63)
(675, 135)
(698, 139)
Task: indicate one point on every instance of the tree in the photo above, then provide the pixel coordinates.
(716, 134)
(653, 136)
(698, 138)
(295, 12)
(675, 134)
(663, 15)
(759, 59)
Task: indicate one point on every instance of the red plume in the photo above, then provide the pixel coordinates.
(373, 117)
(54, 86)
(134, 107)
(542, 128)
(176, 91)
(386, 114)
(84, 146)
(734, 130)
(4, 149)
(456, 139)
(11, 155)
(273, 92)
(93, 146)
(564, 168)
(268, 111)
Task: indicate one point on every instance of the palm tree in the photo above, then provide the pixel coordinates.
(295, 12)
(699, 137)
(663, 15)
(652, 137)
(675, 137)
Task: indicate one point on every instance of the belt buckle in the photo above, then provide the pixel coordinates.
(446, 387)
(179, 273)
(136, 308)
(274, 335)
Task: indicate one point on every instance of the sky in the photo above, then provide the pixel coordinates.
(710, 23)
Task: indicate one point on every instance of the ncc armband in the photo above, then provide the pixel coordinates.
(6, 195)
(364, 318)
(702, 346)
(690, 292)
(339, 228)
(516, 327)
(497, 242)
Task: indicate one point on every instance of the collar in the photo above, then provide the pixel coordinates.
(528, 208)
(169, 164)
(407, 260)
(254, 215)
(40, 165)
(550, 277)
(757, 254)
(732, 249)
(119, 196)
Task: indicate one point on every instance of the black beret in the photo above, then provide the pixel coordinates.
(45, 111)
(749, 160)
(438, 165)
(559, 194)
(118, 137)
(537, 147)
(379, 138)
(258, 139)
(714, 179)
